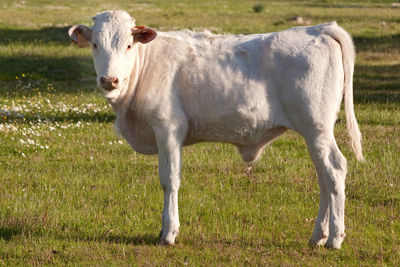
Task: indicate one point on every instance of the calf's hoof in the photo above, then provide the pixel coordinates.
(335, 242)
(318, 242)
(168, 239)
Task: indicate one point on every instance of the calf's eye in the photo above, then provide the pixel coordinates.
(95, 46)
(129, 47)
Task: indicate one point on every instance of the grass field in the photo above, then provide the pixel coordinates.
(74, 193)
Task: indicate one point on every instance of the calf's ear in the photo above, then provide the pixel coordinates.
(143, 34)
(80, 34)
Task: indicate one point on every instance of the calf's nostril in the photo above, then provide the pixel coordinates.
(103, 80)
(114, 82)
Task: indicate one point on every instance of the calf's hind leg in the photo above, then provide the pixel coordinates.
(321, 230)
(331, 167)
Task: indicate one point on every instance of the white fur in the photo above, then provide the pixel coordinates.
(187, 87)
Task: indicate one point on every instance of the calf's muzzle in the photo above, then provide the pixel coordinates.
(109, 83)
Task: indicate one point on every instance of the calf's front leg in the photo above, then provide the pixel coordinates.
(169, 167)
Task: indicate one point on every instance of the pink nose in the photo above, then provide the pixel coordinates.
(109, 83)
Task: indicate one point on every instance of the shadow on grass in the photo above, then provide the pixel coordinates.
(54, 65)
(57, 35)
(7, 233)
(53, 68)
(380, 84)
(377, 83)
(385, 43)
(144, 239)
(72, 118)
(271, 242)
(322, 5)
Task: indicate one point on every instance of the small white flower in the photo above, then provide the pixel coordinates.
(22, 141)
(120, 142)
(22, 153)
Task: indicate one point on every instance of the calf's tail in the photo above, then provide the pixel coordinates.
(348, 58)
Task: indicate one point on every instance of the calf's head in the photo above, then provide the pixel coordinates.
(112, 38)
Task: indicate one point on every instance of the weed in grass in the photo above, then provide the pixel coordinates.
(258, 8)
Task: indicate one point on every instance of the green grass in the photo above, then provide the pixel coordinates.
(74, 193)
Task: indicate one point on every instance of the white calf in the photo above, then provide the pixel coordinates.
(185, 87)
